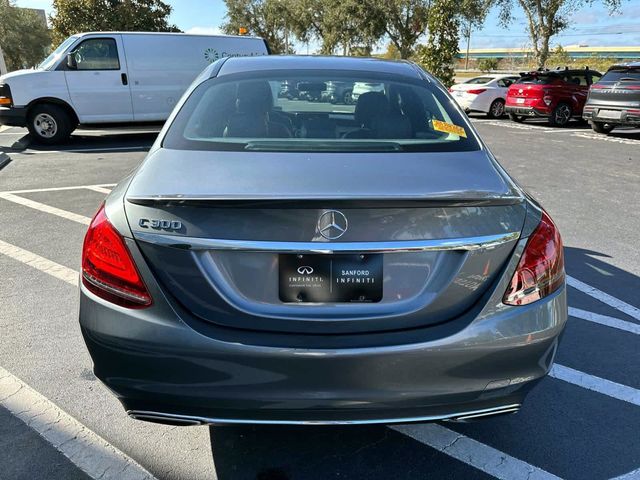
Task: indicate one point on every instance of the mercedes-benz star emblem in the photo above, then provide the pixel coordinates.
(332, 224)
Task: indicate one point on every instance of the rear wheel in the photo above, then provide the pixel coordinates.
(516, 118)
(601, 127)
(560, 116)
(496, 110)
(49, 124)
(347, 99)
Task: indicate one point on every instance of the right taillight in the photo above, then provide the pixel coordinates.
(108, 270)
(540, 271)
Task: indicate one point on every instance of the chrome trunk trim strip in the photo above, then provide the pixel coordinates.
(196, 243)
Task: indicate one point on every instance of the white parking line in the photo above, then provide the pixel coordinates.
(604, 297)
(59, 189)
(596, 384)
(606, 138)
(99, 189)
(45, 265)
(478, 455)
(86, 449)
(132, 148)
(605, 320)
(46, 208)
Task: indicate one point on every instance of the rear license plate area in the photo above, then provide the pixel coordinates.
(519, 100)
(610, 114)
(323, 278)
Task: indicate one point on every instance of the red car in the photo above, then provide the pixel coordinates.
(558, 95)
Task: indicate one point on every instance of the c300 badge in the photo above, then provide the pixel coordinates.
(160, 224)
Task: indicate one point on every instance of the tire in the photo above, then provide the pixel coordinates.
(49, 124)
(561, 115)
(600, 127)
(496, 110)
(346, 98)
(516, 118)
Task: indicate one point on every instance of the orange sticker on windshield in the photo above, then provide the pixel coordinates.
(448, 128)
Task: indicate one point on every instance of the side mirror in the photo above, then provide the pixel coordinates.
(71, 61)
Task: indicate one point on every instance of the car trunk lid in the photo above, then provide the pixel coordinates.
(222, 231)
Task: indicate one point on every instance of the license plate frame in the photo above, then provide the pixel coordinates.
(330, 278)
(520, 101)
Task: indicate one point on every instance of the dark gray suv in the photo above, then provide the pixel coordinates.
(615, 100)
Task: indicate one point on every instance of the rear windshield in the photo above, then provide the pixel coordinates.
(479, 80)
(538, 79)
(622, 75)
(313, 111)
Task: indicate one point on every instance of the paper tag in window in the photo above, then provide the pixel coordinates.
(448, 128)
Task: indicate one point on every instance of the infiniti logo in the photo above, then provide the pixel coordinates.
(305, 270)
(332, 224)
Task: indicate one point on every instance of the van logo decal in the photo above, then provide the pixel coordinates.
(211, 55)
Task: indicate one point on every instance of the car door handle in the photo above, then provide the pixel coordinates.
(125, 81)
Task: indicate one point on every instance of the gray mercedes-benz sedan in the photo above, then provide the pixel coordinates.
(285, 259)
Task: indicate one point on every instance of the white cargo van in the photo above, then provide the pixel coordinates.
(111, 77)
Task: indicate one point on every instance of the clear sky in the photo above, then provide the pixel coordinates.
(590, 26)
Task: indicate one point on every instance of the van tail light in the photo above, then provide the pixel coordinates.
(477, 91)
(108, 270)
(540, 271)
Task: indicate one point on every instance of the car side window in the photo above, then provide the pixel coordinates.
(594, 78)
(504, 82)
(576, 78)
(97, 54)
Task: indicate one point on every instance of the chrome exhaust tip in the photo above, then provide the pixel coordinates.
(163, 418)
(475, 416)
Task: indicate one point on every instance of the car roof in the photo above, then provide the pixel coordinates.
(318, 62)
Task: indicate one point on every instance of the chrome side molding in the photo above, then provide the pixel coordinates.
(189, 420)
(197, 243)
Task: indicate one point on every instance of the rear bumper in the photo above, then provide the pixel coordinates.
(160, 368)
(627, 116)
(13, 116)
(527, 111)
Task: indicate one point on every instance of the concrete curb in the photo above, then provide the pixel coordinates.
(4, 160)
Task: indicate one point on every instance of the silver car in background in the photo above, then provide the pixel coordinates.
(280, 260)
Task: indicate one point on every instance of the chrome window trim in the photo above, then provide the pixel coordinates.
(197, 243)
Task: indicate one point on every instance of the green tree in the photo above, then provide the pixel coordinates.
(439, 54)
(74, 16)
(24, 38)
(487, 64)
(337, 23)
(404, 22)
(559, 58)
(546, 18)
(472, 16)
(269, 19)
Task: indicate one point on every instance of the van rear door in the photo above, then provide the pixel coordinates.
(99, 83)
(162, 66)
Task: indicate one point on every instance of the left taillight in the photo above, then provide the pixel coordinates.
(477, 91)
(108, 270)
(540, 271)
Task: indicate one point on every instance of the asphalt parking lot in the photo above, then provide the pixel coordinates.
(582, 422)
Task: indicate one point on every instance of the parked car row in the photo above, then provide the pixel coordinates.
(606, 101)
